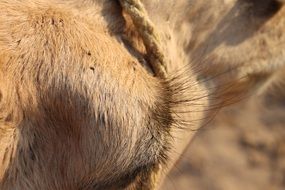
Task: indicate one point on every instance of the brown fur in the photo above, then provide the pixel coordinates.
(78, 109)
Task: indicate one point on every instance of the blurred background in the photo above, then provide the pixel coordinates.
(243, 148)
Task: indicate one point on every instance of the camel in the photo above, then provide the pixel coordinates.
(81, 107)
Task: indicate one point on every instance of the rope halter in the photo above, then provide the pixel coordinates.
(135, 9)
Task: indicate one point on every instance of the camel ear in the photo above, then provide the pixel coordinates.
(243, 50)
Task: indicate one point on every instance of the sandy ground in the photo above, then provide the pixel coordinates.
(242, 149)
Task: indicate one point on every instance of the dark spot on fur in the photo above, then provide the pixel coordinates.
(18, 42)
(9, 118)
(52, 21)
(61, 22)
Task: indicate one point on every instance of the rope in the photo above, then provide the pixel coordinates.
(135, 9)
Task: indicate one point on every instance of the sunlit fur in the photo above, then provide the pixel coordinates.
(79, 106)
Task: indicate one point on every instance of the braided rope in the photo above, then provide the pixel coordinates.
(135, 9)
